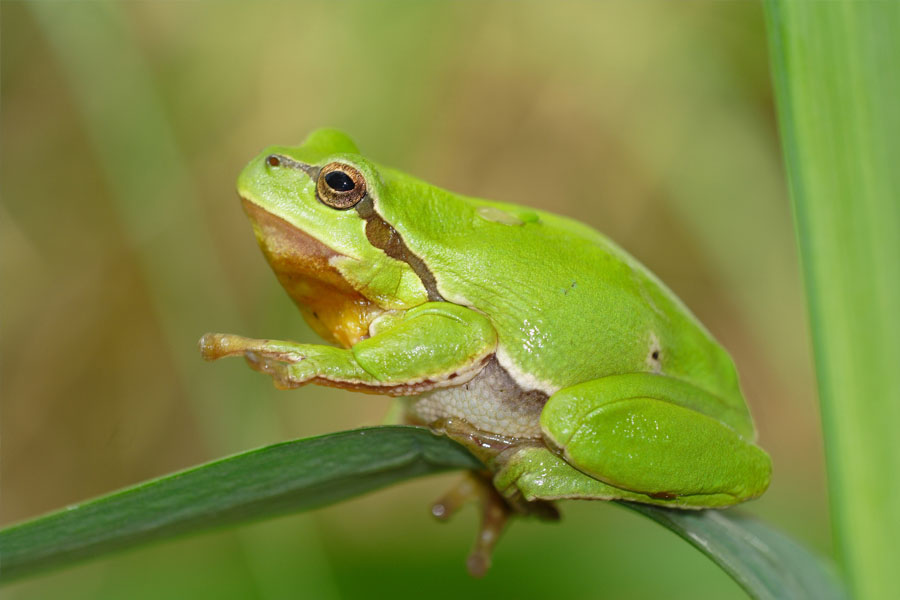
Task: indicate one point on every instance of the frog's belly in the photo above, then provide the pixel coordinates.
(491, 402)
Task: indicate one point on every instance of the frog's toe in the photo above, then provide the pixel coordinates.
(495, 512)
(214, 346)
(455, 498)
(285, 375)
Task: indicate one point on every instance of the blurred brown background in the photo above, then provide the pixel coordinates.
(122, 241)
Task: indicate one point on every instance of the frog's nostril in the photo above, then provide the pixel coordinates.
(273, 160)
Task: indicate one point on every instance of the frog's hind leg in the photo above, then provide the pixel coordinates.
(495, 512)
(657, 436)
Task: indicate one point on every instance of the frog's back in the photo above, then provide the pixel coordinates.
(568, 304)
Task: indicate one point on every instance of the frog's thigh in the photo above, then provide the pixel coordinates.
(650, 445)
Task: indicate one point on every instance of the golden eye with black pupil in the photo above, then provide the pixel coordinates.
(340, 186)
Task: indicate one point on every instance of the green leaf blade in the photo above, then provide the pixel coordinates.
(304, 474)
(762, 560)
(270, 481)
(837, 84)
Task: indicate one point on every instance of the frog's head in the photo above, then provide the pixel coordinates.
(311, 207)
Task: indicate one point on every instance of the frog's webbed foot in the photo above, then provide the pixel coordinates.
(495, 512)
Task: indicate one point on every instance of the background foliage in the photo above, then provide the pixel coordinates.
(837, 82)
(121, 241)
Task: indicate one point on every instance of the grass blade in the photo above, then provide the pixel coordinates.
(835, 66)
(762, 560)
(305, 474)
(269, 481)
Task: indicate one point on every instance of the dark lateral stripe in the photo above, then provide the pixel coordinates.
(383, 236)
(310, 170)
(380, 233)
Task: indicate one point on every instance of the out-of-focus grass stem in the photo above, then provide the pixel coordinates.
(837, 81)
(151, 190)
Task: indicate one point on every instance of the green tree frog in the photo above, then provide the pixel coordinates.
(565, 365)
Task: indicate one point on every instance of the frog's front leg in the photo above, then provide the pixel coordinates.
(430, 346)
(662, 438)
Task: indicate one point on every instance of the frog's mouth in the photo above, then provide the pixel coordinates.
(331, 306)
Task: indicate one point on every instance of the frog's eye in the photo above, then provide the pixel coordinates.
(340, 186)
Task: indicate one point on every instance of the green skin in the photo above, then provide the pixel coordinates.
(638, 400)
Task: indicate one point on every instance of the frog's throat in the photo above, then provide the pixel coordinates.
(331, 306)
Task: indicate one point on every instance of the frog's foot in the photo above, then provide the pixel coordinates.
(214, 346)
(291, 364)
(495, 512)
(280, 360)
(535, 473)
(433, 345)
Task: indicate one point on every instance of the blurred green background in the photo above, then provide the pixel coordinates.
(122, 241)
